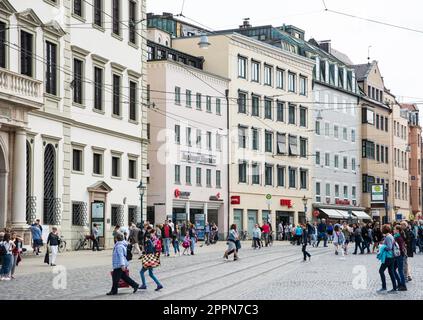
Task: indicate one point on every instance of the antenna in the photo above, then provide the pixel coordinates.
(182, 9)
(368, 54)
(324, 4)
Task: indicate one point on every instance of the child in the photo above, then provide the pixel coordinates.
(187, 243)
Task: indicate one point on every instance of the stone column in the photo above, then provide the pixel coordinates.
(19, 181)
(206, 212)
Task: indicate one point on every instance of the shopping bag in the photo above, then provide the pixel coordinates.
(151, 260)
(122, 284)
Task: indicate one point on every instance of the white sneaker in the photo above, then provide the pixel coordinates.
(6, 279)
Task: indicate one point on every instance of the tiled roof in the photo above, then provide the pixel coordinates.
(409, 106)
(362, 70)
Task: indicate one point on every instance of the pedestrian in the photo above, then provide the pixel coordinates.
(133, 238)
(286, 232)
(358, 239)
(115, 232)
(377, 237)
(305, 242)
(386, 258)
(292, 233)
(193, 237)
(16, 253)
(298, 234)
(256, 237)
(408, 238)
(171, 225)
(338, 240)
(36, 232)
(120, 266)
(214, 233)
(420, 236)
(149, 249)
(94, 237)
(207, 234)
(167, 237)
(280, 231)
(233, 237)
(329, 231)
(266, 232)
(53, 245)
(346, 230)
(176, 235)
(365, 234)
(6, 252)
(399, 258)
(322, 228)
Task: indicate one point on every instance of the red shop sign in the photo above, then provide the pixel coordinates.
(235, 200)
(344, 202)
(286, 203)
(177, 193)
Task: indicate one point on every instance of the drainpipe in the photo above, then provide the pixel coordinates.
(229, 155)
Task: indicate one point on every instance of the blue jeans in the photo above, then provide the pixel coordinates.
(322, 235)
(166, 245)
(176, 245)
(389, 264)
(399, 270)
(151, 274)
(192, 244)
(6, 264)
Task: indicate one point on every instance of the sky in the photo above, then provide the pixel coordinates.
(399, 52)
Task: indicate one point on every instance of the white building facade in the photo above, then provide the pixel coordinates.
(72, 124)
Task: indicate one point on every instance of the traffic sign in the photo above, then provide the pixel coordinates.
(268, 196)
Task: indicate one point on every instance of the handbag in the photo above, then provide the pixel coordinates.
(47, 257)
(150, 260)
(238, 244)
(122, 283)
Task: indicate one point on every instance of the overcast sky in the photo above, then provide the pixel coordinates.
(399, 52)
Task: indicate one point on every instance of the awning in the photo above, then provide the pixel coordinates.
(332, 213)
(361, 215)
(344, 213)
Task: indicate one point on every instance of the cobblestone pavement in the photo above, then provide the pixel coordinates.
(270, 273)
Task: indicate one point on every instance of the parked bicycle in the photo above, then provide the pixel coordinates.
(84, 242)
(62, 244)
(243, 235)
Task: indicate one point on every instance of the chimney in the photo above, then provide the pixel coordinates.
(245, 24)
(325, 45)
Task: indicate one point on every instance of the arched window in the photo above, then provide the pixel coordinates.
(51, 203)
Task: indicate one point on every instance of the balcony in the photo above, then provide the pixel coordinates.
(20, 89)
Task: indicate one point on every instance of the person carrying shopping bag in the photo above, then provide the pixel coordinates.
(150, 259)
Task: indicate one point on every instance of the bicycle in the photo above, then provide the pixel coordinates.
(62, 244)
(243, 235)
(83, 242)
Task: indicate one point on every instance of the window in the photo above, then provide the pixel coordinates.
(386, 155)
(116, 95)
(117, 218)
(327, 193)
(218, 107)
(303, 179)
(177, 174)
(208, 178)
(268, 141)
(336, 131)
(367, 181)
(116, 166)
(345, 192)
(368, 116)
(291, 82)
(268, 175)
(341, 77)
(386, 124)
(353, 164)
(255, 173)
(3, 40)
(77, 160)
(198, 176)
(318, 157)
(98, 13)
(382, 154)
(354, 192)
(188, 137)
(77, 81)
(327, 129)
(218, 142)
(132, 169)
(97, 163)
(280, 111)
(188, 175)
(268, 75)
(336, 191)
(77, 7)
(303, 148)
(327, 159)
(242, 67)
(255, 71)
(198, 101)
(292, 177)
(242, 137)
(322, 70)
(255, 106)
(79, 213)
(318, 195)
(27, 48)
(209, 140)
(377, 122)
(345, 134)
(268, 108)
(177, 95)
(255, 139)
(132, 21)
(98, 88)
(317, 128)
(303, 86)
(208, 104)
(177, 134)
(198, 139)
(218, 179)
(242, 172)
(293, 146)
(51, 68)
(368, 149)
(345, 160)
(188, 98)
(352, 135)
(116, 17)
(303, 117)
(291, 114)
(281, 140)
(280, 75)
(281, 176)
(133, 100)
(242, 102)
(336, 161)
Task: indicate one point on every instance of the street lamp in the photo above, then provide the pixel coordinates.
(305, 201)
(141, 190)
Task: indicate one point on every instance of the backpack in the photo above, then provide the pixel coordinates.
(396, 250)
(158, 245)
(129, 252)
(3, 250)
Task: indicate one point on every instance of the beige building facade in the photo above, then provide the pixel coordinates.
(270, 127)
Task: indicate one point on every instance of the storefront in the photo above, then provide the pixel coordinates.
(339, 214)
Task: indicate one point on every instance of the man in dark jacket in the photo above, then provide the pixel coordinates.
(310, 231)
(409, 238)
(366, 238)
(321, 229)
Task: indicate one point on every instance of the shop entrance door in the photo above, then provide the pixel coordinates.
(238, 219)
(252, 220)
